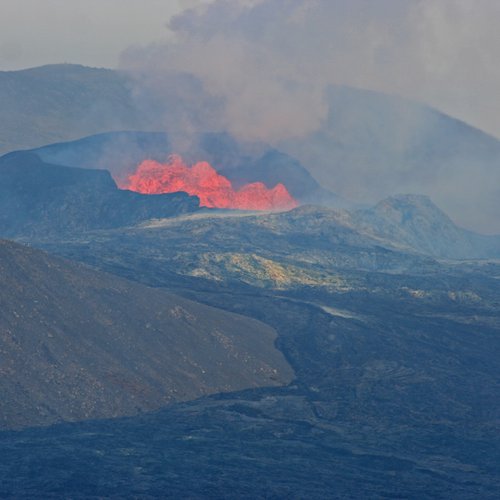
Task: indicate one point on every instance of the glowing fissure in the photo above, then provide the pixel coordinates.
(202, 180)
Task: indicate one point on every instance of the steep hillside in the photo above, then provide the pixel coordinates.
(77, 344)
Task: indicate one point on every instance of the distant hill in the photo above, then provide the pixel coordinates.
(61, 102)
(373, 145)
(414, 221)
(77, 344)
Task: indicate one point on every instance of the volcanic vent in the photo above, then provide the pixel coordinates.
(202, 180)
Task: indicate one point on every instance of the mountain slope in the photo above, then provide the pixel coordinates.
(416, 222)
(373, 145)
(62, 102)
(77, 344)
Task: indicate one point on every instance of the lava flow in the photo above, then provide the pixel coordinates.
(202, 180)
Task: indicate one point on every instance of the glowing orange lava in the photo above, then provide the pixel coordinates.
(202, 180)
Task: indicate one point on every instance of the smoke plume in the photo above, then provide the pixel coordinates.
(263, 70)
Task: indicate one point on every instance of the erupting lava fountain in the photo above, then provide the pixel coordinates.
(202, 180)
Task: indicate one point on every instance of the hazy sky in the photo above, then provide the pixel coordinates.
(89, 32)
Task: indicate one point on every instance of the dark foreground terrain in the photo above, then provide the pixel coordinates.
(386, 405)
(395, 354)
(260, 444)
(78, 344)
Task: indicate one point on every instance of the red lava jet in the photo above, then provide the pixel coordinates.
(202, 180)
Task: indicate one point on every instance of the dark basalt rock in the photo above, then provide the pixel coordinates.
(41, 198)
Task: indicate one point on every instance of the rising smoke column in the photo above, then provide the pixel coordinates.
(202, 180)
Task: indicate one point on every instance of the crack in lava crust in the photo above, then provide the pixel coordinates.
(202, 180)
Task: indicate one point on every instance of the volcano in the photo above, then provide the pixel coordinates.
(202, 180)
